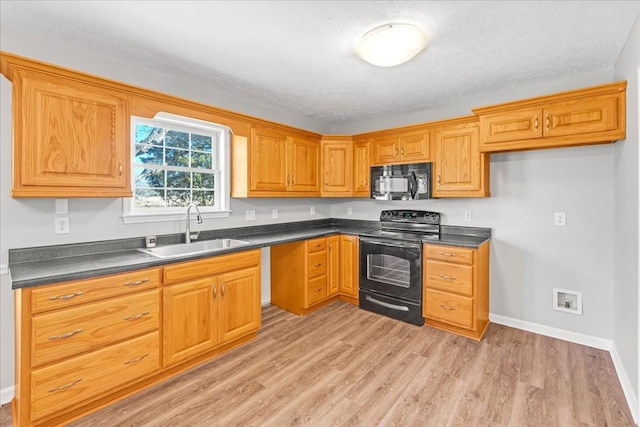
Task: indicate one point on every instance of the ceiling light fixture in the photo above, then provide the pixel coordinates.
(391, 44)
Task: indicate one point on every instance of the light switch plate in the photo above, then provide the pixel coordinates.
(62, 206)
(251, 215)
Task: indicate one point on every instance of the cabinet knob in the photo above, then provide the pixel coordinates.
(120, 169)
(402, 151)
(396, 152)
(215, 291)
(438, 180)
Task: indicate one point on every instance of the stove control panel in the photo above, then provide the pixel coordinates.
(420, 217)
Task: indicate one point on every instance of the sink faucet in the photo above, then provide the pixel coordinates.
(188, 236)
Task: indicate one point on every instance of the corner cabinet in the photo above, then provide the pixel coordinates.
(459, 169)
(594, 115)
(70, 133)
(456, 289)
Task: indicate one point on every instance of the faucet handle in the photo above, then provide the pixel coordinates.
(194, 236)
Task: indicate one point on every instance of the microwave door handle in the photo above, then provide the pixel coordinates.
(413, 185)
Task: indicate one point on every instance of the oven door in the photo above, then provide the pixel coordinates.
(392, 268)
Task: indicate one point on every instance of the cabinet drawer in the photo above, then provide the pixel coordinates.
(79, 379)
(445, 307)
(317, 264)
(65, 333)
(77, 292)
(316, 245)
(449, 277)
(216, 264)
(317, 289)
(450, 254)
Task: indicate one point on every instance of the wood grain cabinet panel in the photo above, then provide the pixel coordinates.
(594, 115)
(349, 261)
(239, 301)
(268, 161)
(456, 288)
(361, 168)
(304, 165)
(401, 147)
(337, 166)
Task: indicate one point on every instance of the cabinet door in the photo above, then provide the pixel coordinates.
(333, 270)
(189, 319)
(460, 170)
(415, 147)
(268, 160)
(304, 166)
(385, 151)
(516, 125)
(239, 303)
(361, 170)
(349, 266)
(71, 139)
(337, 159)
(594, 114)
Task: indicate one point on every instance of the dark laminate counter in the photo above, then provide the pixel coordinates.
(53, 264)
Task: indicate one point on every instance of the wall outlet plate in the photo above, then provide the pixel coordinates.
(349, 211)
(61, 225)
(567, 301)
(274, 214)
(312, 211)
(560, 218)
(467, 215)
(251, 215)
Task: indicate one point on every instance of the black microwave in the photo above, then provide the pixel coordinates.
(410, 181)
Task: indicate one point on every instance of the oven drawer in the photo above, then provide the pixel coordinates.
(454, 309)
(315, 245)
(450, 254)
(317, 264)
(317, 289)
(407, 311)
(449, 277)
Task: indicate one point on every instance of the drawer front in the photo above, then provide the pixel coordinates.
(449, 277)
(454, 309)
(69, 294)
(66, 333)
(79, 379)
(450, 254)
(317, 264)
(317, 289)
(207, 267)
(315, 245)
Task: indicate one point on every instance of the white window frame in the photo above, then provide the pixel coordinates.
(222, 156)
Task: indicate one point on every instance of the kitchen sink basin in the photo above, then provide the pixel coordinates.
(193, 248)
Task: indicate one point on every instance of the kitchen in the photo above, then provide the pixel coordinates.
(598, 187)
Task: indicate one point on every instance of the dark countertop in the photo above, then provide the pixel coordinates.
(53, 264)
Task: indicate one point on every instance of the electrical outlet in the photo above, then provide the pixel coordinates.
(560, 218)
(274, 214)
(61, 225)
(467, 215)
(349, 211)
(312, 211)
(251, 215)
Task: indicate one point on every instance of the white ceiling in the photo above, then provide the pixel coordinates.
(297, 56)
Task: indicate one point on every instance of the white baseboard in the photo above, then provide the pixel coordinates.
(6, 394)
(588, 340)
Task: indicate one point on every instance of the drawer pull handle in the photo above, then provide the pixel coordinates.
(136, 316)
(65, 386)
(547, 122)
(136, 360)
(317, 290)
(447, 307)
(62, 336)
(447, 254)
(136, 282)
(67, 296)
(318, 264)
(535, 124)
(444, 276)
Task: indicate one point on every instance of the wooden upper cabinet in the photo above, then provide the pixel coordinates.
(304, 165)
(337, 165)
(361, 168)
(594, 115)
(459, 169)
(268, 170)
(398, 147)
(70, 138)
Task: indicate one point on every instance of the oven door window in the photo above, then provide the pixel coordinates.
(389, 269)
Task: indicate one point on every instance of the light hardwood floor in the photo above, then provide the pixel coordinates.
(345, 366)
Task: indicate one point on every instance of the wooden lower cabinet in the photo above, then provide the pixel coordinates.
(456, 288)
(307, 275)
(84, 344)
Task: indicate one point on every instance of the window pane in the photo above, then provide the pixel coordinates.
(200, 160)
(149, 177)
(149, 198)
(177, 139)
(178, 179)
(147, 153)
(203, 180)
(204, 198)
(178, 197)
(177, 157)
(149, 134)
(201, 142)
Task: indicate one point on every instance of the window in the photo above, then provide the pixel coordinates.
(175, 161)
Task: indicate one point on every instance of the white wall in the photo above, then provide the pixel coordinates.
(625, 291)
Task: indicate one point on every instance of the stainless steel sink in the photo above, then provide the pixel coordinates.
(193, 248)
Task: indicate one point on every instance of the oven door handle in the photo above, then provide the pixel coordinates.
(386, 304)
(394, 244)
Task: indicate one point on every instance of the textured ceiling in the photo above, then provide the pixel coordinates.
(297, 56)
